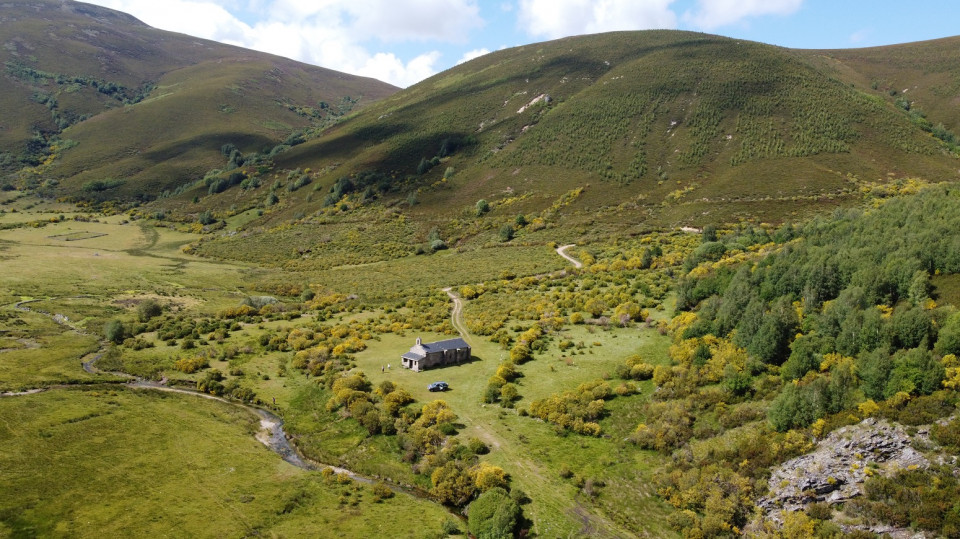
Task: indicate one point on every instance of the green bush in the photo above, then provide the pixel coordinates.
(506, 233)
(482, 207)
(114, 331)
(148, 309)
(493, 515)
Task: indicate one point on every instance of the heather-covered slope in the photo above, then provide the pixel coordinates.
(602, 134)
(113, 98)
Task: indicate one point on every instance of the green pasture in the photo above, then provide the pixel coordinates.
(36, 351)
(531, 450)
(113, 265)
(118, 462)
(110, 260)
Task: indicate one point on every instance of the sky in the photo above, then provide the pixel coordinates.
(405, 41)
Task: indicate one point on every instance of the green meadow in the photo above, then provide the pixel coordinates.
(89, 273)
(121, 462)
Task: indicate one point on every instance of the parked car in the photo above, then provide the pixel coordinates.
(438, 386)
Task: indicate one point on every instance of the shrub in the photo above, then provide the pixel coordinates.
(137, 343)
(452, 485)
(492, 393)
(450, 527)
(509, 394)
(206, 218)
(424, 166)
(382, 490)
(575, 410)
(506, 232)
(493, 515)
(190, 365)
(477, 447)
(487, 476)
(148, 309)
(482, 207)
(211, 382)
(114, 331)
(634, 368)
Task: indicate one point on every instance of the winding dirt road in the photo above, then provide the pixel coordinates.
(456, 315)
(594, 524)
(562, 251)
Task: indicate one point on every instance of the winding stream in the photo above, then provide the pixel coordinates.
(271, 432)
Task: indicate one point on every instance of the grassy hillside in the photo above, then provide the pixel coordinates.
(94, 94)
(588, 136)
(926, 74)
(637, 108)
(654, 385)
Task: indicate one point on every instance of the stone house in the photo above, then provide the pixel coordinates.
(424, 356)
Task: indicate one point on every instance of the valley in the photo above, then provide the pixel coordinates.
(590, 332)
(128, 254)
(684, 264)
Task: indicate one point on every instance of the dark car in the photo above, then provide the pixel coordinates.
(438, 386)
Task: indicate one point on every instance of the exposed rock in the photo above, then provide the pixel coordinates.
(835, 471)
(542, 97)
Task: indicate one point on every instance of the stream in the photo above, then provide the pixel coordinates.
(271, 433)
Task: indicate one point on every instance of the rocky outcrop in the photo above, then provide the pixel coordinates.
(836, 470)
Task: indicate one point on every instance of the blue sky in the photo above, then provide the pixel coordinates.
(405, 41)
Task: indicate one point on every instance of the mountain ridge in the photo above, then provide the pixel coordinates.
(66, 62)
(688, 128)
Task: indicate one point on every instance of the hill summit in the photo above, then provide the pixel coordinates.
(109, 98)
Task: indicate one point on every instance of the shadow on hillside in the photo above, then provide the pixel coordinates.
(341, 143)
(582, 64)
(411, 142)
(245, 141)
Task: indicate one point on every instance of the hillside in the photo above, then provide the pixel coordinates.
(925, 75)
(93, 94)
(649, 129)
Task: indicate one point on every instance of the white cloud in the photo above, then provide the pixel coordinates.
(560, 18)
(386, 66)
(206, 19)
(336, 34)
(420, 20)
(860, 36)
(470, 55)
(712, 14)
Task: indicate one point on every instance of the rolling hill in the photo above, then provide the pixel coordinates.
(651, 380)
(649, 129)
(642, 111)
(121, 101)
(588, 135)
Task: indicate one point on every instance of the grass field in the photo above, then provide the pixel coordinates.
(89, 463)
(530, 449)
(276, 240)
(121, 263)
(36, 351)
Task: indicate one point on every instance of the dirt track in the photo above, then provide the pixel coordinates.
(562, 251)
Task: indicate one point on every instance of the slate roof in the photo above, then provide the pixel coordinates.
(439, 346)
(449, 344)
